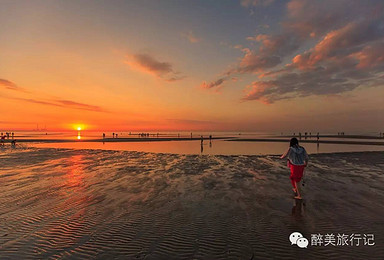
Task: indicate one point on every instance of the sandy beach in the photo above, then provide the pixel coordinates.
(93, 204)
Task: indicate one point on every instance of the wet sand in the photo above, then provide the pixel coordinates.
(62, 203)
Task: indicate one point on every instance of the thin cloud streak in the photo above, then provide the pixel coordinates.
(61, 103)
(11, 85)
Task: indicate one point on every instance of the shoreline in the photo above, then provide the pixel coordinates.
(228, 139)
(122, 140)
(334, 136)
(305, 141)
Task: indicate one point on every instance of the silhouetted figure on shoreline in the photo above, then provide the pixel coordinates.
(113, 135)
(13, 135)
(116, 135)
(300, 135)
(13, 143)
(318, 136)
(103, 135)
(201, 140)
(191, 135)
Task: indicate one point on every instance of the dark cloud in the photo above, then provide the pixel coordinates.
(333, 79)
(10, 85)
(214, 84)
(149, 64)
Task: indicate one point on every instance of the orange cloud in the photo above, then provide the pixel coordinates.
(191, 37)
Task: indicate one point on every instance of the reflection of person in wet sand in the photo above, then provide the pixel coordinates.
(297, 161)
(298, 209)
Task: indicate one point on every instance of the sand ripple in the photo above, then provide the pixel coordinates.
(94, 204)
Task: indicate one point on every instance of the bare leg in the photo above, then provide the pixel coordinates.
(293, 186)
(297, 191)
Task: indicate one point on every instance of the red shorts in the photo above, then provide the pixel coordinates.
(296, 172)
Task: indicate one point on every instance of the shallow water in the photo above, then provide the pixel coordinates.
(59, 203)
(215, 147)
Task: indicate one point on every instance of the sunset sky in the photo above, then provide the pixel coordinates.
(250, 65)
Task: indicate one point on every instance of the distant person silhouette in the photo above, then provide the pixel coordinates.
(113, 135)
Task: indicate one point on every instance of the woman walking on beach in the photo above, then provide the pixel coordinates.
(297, 161)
